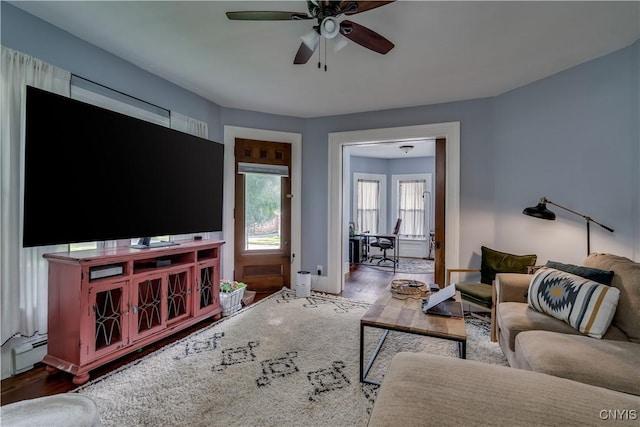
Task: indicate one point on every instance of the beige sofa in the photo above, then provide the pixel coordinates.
(427, 390)
(538, 342)
(565, 378)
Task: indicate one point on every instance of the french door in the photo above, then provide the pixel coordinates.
(262, 214)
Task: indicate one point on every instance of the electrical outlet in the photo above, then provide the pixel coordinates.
(319, 269)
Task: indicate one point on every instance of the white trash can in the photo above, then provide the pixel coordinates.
(303, 284)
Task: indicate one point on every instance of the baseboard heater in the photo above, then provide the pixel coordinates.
(28, 353)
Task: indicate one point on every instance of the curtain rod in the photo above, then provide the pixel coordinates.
(121, 93)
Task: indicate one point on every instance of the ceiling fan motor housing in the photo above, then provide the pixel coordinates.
(330, 27)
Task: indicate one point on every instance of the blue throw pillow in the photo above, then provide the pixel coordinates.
(593, 274)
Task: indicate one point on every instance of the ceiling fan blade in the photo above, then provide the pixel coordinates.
(363, 6)
(266, 15)
(304, 54)
(365, 37)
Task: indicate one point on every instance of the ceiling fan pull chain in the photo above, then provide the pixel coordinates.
(325, 56)
(319, 55)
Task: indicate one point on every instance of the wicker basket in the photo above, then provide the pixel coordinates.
(407, 288)
(231, 301)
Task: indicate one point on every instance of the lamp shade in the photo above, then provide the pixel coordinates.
(310, 40)
(540, 211)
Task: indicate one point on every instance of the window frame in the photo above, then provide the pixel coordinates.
(382, 214)
(395, 201)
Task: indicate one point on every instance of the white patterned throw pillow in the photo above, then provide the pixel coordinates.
(586, 305)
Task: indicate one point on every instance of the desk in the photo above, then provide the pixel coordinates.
(394, 241)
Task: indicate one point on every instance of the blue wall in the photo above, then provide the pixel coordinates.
(572, 137)
(476, 175)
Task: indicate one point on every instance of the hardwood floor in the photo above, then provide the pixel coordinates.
(367, 284)
(362, 284)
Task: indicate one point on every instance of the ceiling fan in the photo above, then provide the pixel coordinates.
(326, 13)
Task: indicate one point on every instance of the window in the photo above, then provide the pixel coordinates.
(369, 202)
(412, 202)
(368, 213)
(262, 208)
(411, 208)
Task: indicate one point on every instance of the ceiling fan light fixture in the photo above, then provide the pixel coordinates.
(406, 148)
(310, 39)
(339, 42)
(330, 27)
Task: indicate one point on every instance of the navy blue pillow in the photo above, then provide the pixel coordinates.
(594, 274)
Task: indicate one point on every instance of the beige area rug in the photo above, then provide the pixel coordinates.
(284, 361)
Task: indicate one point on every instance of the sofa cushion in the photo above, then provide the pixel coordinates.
(595, 274)
(420, 389)
(478, 293)
(516, 317)
(586, 305)
(494, 262)
(626, 278)
(603, 363)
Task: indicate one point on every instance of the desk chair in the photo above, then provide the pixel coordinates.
(386, 244)
(481, 293)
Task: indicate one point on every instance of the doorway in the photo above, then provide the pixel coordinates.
(338, 218)
(262, 227)
(228, 234)
(415, 176)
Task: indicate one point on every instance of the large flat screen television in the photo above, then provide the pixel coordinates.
(92, 174)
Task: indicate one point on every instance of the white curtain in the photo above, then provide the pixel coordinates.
(23, 270)
(368, 206)
(412, 210)
(188, 125)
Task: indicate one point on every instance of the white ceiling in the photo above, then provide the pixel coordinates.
(391, 150)
(445, 51)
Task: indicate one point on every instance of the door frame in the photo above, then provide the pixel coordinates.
(338, 221)
(295, 139)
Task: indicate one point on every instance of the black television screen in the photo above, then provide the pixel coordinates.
(92, 174)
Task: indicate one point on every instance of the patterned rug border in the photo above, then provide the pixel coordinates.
(181, 341)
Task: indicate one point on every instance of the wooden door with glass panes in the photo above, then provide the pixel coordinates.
(108, 312)
(262, 217)
(148, 309)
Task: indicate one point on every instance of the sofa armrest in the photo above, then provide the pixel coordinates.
(511, 287)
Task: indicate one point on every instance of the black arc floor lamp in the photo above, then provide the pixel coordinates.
(541, 211)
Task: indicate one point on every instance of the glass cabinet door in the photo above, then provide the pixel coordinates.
(207, 287)
(147, 309)
(108, 319)
(178, 296)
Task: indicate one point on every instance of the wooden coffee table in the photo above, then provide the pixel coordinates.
(405, 315)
